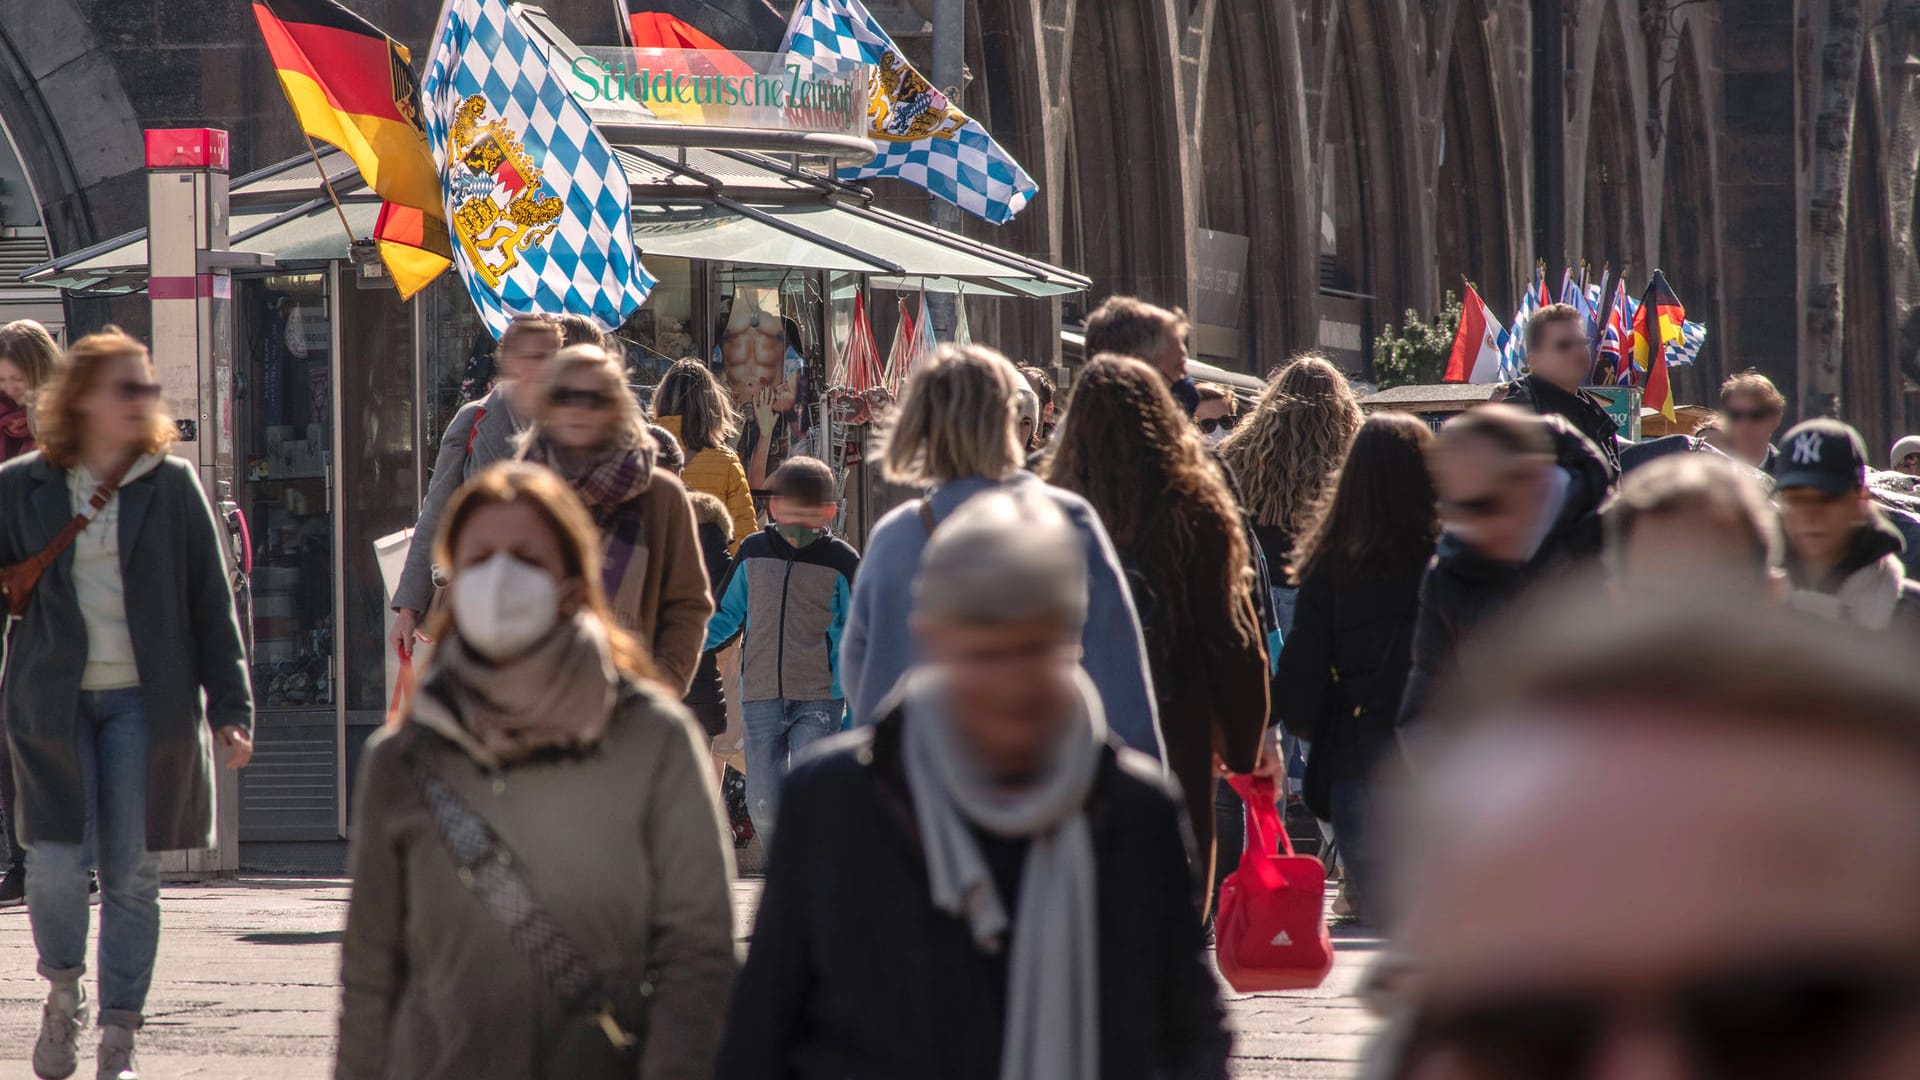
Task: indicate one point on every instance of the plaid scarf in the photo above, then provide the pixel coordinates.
(611, 487)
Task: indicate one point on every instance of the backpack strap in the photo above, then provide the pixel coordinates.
(927, 520)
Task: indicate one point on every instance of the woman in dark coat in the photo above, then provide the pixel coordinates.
(1344, 666)
(1129, 449)
(111, 745)
(985, 883)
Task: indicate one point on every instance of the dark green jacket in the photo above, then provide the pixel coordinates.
(186, 640)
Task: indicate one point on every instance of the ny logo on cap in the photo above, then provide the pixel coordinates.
(1806, 449)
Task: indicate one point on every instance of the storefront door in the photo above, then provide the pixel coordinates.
(285, 355)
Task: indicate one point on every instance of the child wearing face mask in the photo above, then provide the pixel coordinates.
(788, 594)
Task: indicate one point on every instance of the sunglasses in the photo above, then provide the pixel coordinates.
(1798, 1022)
(1751, 416)
(567, 397)
(1219, 423)
(131, 391)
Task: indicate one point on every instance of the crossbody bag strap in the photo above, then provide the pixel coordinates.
(18, 581)
(489, 871)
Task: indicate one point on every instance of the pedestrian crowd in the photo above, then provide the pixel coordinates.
(1619, 743)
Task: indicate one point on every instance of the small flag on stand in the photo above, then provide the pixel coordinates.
(1477, 353)
(1616, 363)
(1658, 326)
(1693, 338)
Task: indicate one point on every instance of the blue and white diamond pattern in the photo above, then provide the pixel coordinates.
(588, 266)
(969, 170)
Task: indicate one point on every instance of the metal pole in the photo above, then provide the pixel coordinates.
(949, 75)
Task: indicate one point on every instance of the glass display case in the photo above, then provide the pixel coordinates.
(286, 402)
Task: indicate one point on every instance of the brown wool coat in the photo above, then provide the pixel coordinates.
(622, 845)
(1212, 693)
(665, 598)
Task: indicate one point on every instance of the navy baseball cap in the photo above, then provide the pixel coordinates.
(1824, 454)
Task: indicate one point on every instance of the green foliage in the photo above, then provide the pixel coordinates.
(1417, 354)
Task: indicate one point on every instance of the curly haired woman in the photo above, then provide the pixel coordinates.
(1284, 455)
(1128, 448)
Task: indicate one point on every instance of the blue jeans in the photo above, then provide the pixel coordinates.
(110, 739)
(777, 730)
(1353, 813)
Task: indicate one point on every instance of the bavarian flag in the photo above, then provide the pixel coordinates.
(1658, 326)
(353, 86)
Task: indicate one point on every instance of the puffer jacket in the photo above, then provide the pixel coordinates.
(1869, 588)
(621, 845)
(718, 472)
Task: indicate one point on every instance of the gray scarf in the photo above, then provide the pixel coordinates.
(1053, 989)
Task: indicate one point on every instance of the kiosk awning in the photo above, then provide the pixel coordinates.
(309, 233)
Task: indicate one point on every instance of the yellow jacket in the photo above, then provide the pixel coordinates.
(718, 472)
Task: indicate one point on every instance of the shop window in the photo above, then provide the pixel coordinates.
(667, 328)
(768, 352)
(287, 452)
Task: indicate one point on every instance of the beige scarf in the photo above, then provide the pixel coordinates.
(560, 695)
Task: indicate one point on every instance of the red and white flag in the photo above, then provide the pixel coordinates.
(1476, 347)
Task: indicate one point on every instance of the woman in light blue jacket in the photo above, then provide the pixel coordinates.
(954, 434)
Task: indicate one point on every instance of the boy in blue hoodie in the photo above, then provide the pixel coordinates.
(788, 594)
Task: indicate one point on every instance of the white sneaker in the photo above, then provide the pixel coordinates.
(116, 1054)
(55, 1053)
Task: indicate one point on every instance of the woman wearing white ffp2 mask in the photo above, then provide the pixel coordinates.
(539, 758)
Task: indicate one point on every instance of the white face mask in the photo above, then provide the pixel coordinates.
(1216, 436)
(503, 607)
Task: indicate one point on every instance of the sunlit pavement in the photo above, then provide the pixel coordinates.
(247, 987)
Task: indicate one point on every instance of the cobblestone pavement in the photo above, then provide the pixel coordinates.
(247, 988)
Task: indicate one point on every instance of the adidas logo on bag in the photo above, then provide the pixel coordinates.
(1282, 939)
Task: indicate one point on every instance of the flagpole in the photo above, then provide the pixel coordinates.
(623, 20)
(328, 184)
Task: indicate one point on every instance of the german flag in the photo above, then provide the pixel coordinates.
(1658, 326)
(353, 86)
(414, 245)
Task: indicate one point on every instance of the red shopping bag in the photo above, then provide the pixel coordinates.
(1270, 931)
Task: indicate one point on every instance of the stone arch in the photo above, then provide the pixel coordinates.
(1363, 178)
(1613, 215)
(1126, 209)
(63, 107)
(1255, 170)
(1471, 236)
(1871, 387)
(1689, 229)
